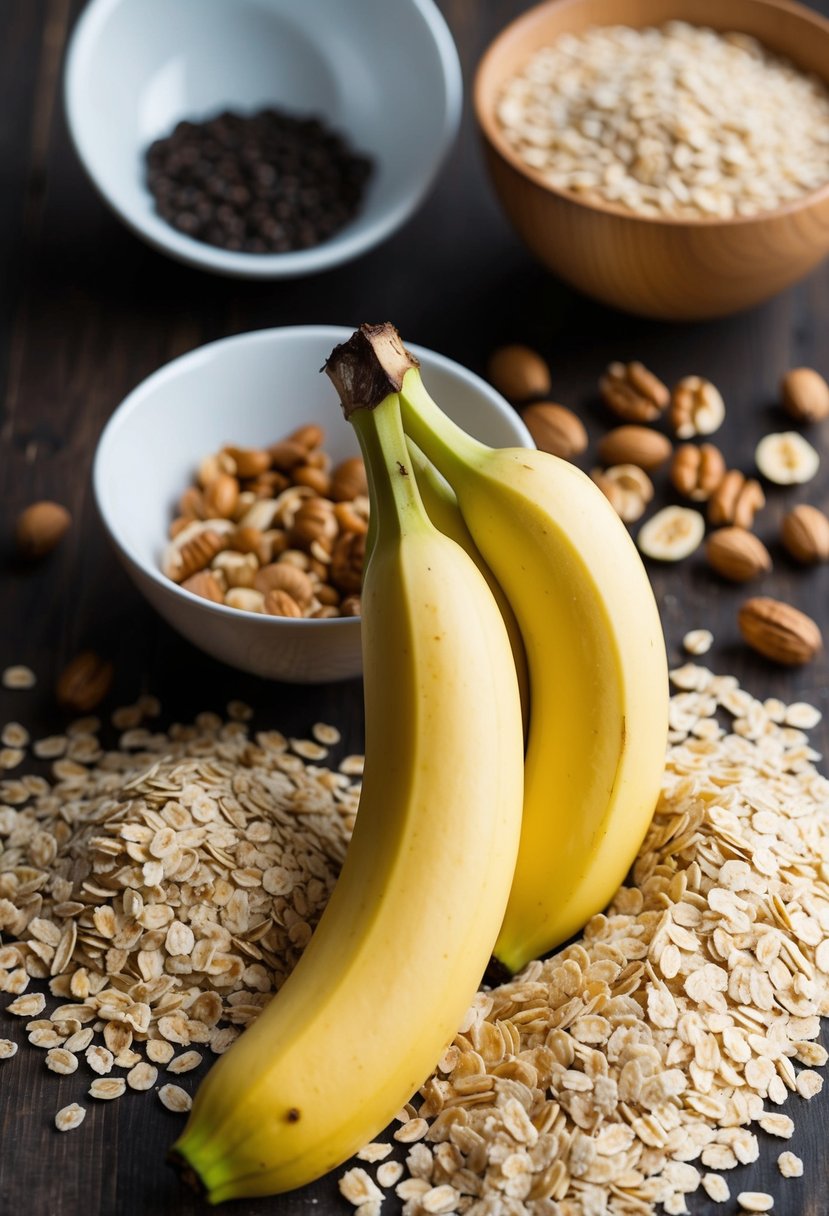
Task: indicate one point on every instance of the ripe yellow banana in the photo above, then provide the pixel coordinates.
(596, 658)
(405, 939)
(442, 508)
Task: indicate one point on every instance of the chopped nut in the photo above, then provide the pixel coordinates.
(672, 534)
(696, 472)
(697, 408)
(736, 500)
(633, 393)
(628, 489)
(786, 458)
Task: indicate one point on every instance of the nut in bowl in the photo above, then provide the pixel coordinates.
(669, 217)
(241, 395)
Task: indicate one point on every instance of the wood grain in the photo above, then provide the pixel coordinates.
(86, 312)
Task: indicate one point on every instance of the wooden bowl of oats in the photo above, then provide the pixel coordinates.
(668, 157)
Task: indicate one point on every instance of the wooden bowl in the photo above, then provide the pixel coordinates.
(667, 268)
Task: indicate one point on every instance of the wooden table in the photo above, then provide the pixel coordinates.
(86, 311)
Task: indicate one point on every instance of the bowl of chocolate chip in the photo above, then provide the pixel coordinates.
(262, 138)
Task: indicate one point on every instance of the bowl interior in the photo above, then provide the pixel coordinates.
(249, 390)
(384, 75)
(785, 28)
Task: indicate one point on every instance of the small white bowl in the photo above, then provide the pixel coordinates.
(386, 75)
(250, 390)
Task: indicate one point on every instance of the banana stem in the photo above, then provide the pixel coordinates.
(396, 505)
(445, 443)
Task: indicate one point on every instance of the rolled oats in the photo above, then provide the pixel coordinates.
(69, 1117)
(175, 1098)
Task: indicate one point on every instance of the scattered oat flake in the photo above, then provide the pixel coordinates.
(409, 1132)
(802, 715)
(19, 677)
(59, 1060)
(777, 1125)
(28, 1006)
(357, 1187)
(107, 1088)
(352, 766)
(755, 1201)
(698, 641)
(14, 735)
(790, 1165)
(323, 733)
(160, 1051)
(374, 1151)
(389, 1172)
(142, 1076)
(187, 1061)
(175, 1098)
(716, 1187)
(8, 1048)
(70, 1117)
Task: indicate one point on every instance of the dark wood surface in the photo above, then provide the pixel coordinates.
(86, 311)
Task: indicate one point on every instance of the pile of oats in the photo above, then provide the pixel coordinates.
(163, 890)
(627, 1070)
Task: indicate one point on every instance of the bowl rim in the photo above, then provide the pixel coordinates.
(337, 249)
(491, 130)
(283, 333)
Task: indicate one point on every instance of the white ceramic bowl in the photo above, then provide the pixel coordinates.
(249, 390)
(385, 74)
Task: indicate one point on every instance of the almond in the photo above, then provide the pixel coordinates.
(40, 527)
(348, 480)
(309, 475)
(737, 555)
(287, 455)
(779, 632)
(519, 373)
(308, 437)
(84, 683)
(805, 394)
(805, 533)
(249, 462)
(637, 445)
(555, 429)
(221, 496)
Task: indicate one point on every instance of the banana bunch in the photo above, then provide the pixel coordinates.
(539, 600)
(404, 941)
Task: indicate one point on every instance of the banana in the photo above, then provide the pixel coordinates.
(402, 946)
(596, 658)
(442, 508)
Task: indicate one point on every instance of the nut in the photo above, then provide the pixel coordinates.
(347, 563)
(786, 458)
(40, 527)
(805, 394)
(239, 569)
(633, 393)
(287, 455)
(308, 437)
(519, 373)
(349, 518)
(627, 488)
(697, 407)
(350, 606)
(84, 683)
(221, 496)
(245, 599)
(736, 500)
(249, 462)
(309, 475)
(284, 576)
(555, 429)
(737, 555)
(191, 504)
(251, 540)
(280, 603)
(206, 585)
(671, 534)
(637, 445)
(348, 481)
(697, 471)
(805, 533)
(778, 631)
(314, 520)
(195, 554)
